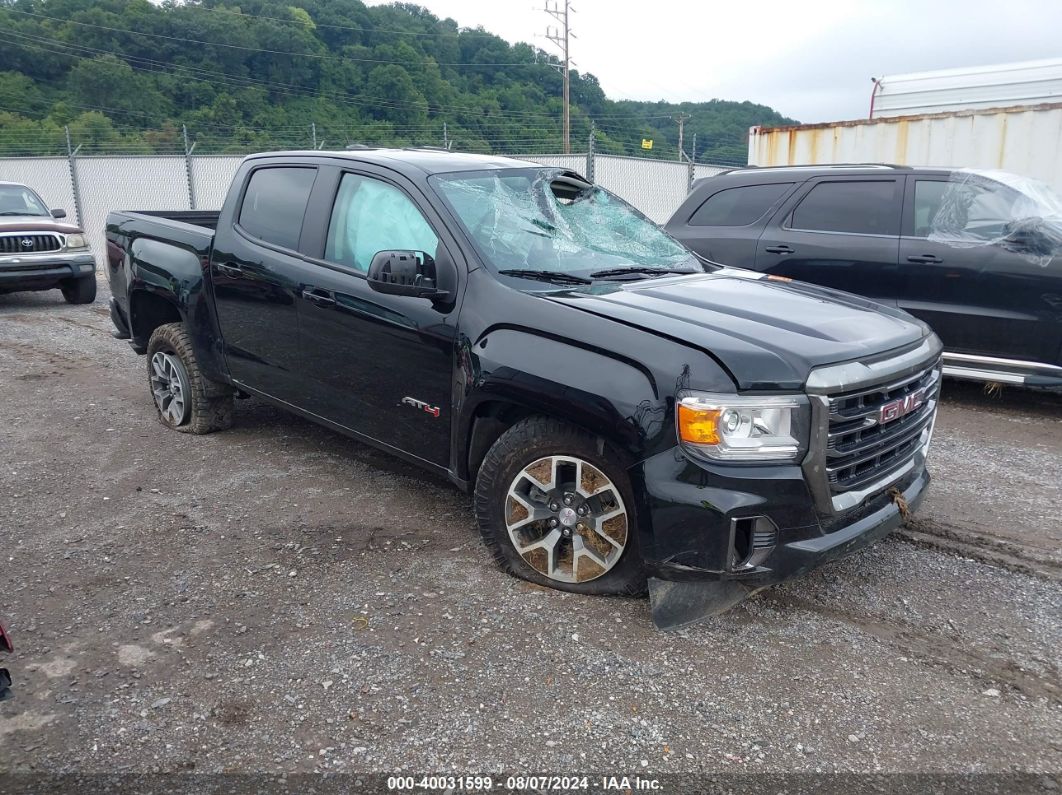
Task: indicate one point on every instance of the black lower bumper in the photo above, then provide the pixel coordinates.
(45, 273)
(696, 565)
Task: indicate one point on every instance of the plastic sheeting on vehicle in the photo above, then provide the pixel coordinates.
(995, 208)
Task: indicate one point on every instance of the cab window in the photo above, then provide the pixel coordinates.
(274, 204)
(855, 207)
(369, 216)
(739, 206)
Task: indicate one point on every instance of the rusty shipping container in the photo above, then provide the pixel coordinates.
(1024, 139)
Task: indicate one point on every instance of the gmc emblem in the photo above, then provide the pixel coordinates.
(900, 407)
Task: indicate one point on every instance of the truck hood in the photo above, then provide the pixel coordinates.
(36, 223)
(769, 334)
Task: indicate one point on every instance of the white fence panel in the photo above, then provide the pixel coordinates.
(576, 163)
(128, 183)
(160, 182)
(48, 176)
(656, 187)
(701, 171)
(211, 175)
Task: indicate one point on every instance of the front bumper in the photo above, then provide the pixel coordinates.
(693, 556)
(43, 271)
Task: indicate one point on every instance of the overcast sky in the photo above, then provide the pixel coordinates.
(809, 59)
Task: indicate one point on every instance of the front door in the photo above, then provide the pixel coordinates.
(979, 295)
(255, 272)
(838, 232)
(381, 365)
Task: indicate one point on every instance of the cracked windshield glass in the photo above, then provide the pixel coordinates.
(548, 220)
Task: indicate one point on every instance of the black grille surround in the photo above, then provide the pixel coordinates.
(863, 445)
(14, 244)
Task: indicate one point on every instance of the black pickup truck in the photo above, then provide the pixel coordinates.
(628, 416)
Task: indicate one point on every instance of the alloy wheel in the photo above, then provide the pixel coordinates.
(566, 519)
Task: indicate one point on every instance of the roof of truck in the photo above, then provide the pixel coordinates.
(425, 161)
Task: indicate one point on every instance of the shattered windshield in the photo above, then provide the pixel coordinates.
(552, 222)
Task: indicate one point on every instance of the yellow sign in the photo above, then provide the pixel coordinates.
(647, 143)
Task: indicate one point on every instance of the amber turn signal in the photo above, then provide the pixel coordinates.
(698, 425)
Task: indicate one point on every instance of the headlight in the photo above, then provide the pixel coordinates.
(743, 428)
(76, 241)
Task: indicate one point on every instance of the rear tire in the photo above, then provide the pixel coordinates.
(185, 399)
(555, 507)
(81, 290)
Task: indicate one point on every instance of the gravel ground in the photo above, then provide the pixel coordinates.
(278, 598)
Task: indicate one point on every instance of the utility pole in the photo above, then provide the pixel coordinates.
(561, 38)
(313, 134)
(446, 139)
(680, 119)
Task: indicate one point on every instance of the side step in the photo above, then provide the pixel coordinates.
(1003, 371)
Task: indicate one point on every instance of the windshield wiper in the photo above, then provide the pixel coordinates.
(638, 270)
(546, 276)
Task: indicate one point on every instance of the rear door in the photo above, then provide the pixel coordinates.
(980, 297)
(255, 270)
(840, 232)
(725, 226)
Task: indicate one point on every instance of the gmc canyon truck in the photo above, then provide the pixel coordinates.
(628, 416)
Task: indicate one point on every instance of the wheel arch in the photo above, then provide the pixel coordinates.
(149, 309)
(520, 372)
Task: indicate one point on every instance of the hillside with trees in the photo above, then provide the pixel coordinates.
(129, 76)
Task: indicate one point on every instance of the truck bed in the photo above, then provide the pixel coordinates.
(208, 219)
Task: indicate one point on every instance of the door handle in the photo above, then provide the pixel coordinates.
(783, 249)
(925, 259)
(234, 271)
(318, 296)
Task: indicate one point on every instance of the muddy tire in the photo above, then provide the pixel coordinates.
(185, 399)
(80, 291)
(555, 507)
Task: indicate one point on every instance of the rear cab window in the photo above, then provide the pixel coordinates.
(274, 204)
(861, 207)
(740, 206)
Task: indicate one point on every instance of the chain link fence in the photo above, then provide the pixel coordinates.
(90, 186)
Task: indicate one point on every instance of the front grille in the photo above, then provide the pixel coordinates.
(870, 436)
(29, 244)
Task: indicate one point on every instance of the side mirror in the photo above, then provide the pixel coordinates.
(57, 213)
(410, 273)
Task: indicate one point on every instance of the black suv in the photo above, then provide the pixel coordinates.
(977, 255)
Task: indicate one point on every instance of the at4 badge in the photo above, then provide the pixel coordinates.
(420, 404)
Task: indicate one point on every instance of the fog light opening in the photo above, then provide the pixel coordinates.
(752, 538)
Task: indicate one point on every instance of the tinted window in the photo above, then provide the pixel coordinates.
(867, 208)
(738, 206)
(275, 203)
(928, 196)
(371, 216)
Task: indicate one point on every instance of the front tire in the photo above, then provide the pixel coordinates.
(185, 399)
(81, 290)
(555, 507)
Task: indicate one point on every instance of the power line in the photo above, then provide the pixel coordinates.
(43, 43)
(322, 56)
